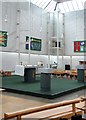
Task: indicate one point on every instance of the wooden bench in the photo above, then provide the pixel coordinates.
(5, 73)
(82, 105)
(57, 72)
(61, 73)
(50, 111)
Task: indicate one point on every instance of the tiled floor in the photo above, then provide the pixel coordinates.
(10, 102)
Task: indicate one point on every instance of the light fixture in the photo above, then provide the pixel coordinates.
(5, 18)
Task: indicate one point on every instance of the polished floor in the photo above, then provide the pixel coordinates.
(10, 102)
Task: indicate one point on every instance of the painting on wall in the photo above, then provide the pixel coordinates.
(79, 46)
(35, 43)
(3, 38)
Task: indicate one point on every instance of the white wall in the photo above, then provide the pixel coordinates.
(0, 15)
(8, 60)
(32, 22)
(38, 23)
(58, 31)
(74, 30)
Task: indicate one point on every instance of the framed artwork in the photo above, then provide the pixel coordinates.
(3, 38)
(35, 43)
(79, 46)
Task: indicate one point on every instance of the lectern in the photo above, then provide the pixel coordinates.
(29, 72)
(81, 71)
(45, 82)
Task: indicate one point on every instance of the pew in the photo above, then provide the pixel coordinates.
(51, 111)
(82, 106)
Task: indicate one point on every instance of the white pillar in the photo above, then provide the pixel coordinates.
(58, 27)
(29, 52)
(18, 30)
(48, 40)
(70, 62)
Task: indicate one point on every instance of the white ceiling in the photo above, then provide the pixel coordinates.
(63, 5)
(60, 1)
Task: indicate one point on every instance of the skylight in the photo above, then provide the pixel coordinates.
(49, 5)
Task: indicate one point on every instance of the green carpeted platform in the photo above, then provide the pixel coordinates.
(59, 86)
